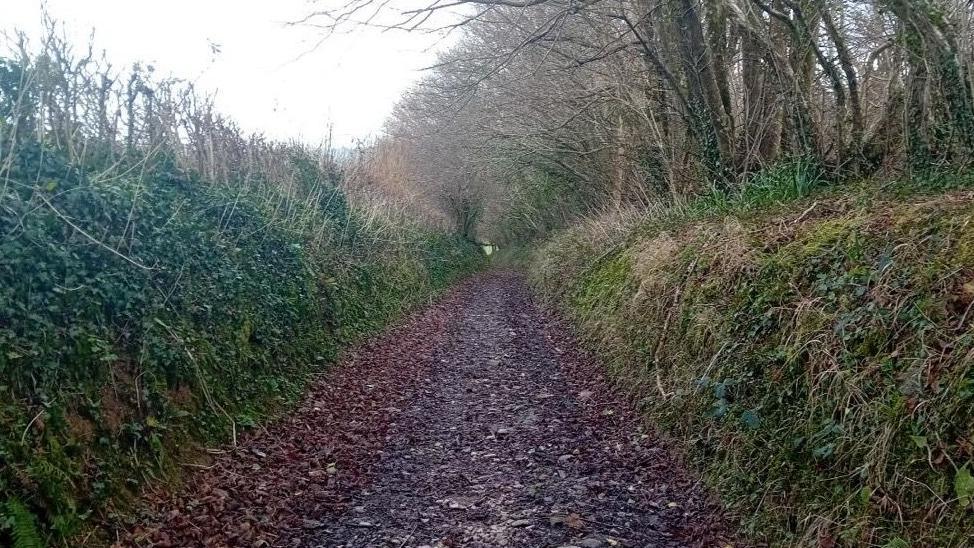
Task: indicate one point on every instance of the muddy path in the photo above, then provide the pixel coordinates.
(477, 423)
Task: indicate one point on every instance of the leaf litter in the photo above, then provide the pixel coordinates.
(477, 422)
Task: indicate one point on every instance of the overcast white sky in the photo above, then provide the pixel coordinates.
(260, 76)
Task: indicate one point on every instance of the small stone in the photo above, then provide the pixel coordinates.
(500, 431)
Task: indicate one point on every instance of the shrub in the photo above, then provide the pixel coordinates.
(160, 292)
(813, 358)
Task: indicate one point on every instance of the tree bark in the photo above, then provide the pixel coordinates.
(703, 93)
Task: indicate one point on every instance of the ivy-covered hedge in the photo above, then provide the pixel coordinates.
(147, 312)
(814, 358)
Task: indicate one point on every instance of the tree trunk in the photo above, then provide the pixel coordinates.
(854, 147)
(703, 93)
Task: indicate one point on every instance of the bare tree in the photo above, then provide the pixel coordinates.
(640, 101)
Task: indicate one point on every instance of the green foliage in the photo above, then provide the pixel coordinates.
(964, 486)
(20, 524)
(148, 312)
(812, 357)
(13, 97)
(783, 182)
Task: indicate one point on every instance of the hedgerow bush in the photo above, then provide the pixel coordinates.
(812, 357)
(160, 292)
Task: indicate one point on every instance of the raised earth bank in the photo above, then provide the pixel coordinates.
(813, 359)
(150, 313)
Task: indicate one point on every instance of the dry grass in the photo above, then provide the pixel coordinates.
(814, 360)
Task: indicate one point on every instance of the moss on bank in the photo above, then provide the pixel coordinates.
(813, 357)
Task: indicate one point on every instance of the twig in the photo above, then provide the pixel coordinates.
(90, 237)
(197, 465)
(410, 535)
(23, 438)
(804, 213)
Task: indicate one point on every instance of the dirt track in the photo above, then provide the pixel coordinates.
(477, 423)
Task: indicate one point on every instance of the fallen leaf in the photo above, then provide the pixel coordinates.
(574, 521)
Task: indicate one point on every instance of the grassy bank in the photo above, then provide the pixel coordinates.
(809, 349)
(166, 283)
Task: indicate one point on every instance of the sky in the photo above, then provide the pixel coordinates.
(268, 76)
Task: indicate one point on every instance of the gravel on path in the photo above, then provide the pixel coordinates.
(476, 423)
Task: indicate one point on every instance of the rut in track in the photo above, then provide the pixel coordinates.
(476, 424)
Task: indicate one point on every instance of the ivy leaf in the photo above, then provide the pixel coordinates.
(719, 409)
(751, 419)
(964, 486)
(824, 451)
